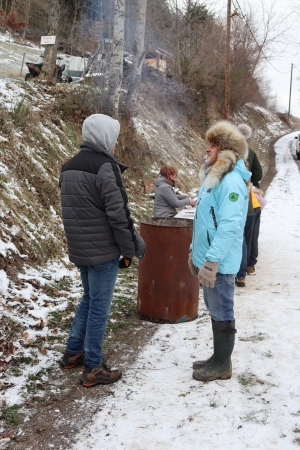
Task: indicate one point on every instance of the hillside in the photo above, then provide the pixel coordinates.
(40, 128)
(36, 139)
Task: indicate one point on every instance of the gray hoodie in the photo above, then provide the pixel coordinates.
(166, 201)
(101, 130)
(95, 212)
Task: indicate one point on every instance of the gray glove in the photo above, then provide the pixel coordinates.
(193, 269)
(207, 273)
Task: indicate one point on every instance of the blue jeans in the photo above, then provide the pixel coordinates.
(243, 267)
(219, 299)
(89, 324)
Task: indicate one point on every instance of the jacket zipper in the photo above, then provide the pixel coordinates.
(212, 212)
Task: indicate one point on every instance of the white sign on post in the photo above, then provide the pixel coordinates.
(47, 40)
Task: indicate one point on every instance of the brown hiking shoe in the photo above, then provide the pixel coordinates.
(250, 270)
(99, 375)
(241, 282)
(69, 360)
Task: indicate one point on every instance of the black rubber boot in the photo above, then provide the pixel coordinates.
(202, 362)
(219, 367)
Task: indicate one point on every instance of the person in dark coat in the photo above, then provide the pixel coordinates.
(251, 230)
(99, 229)
(166, 201)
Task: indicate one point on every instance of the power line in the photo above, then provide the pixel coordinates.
(297, 68)
(259, 46)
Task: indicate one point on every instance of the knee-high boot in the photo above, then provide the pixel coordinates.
(219, 366)
(202, 362)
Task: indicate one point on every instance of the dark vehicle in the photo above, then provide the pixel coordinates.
(35, 70)
(298, 147)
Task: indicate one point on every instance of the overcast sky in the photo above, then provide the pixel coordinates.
(278, 69)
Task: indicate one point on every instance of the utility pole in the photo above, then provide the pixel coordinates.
(290, 92)
(227, 69)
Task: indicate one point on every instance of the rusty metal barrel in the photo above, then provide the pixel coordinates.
(167, 291)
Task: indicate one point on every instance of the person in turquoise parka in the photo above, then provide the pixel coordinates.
(216, 248)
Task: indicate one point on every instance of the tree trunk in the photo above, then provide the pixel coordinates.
(76, 8)
(116, 73)
(138, 57)
(27, 11)
(178, 55)
(49, 71)
(189, 14)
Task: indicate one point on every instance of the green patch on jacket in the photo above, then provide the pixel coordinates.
(233, 197)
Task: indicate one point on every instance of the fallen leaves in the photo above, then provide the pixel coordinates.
(43, 351)
(8, 434)
(11, 348)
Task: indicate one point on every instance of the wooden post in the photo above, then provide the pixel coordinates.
(227, 69)
(22, 63)
(290, 92)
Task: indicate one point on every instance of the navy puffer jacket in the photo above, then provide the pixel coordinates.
(96, 218)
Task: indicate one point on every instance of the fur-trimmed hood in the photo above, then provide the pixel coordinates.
(231, 145)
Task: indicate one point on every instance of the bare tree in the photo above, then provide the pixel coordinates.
(27, 7)
(138, 56)
(257, 36)
(77, 5)
(100, 60)
(267, 29)
(188, 31)
(49, 68)
(9, 20)
(116, 69)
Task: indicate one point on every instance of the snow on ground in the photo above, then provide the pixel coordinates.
(157, 404)
(12, 54)
(34, 322)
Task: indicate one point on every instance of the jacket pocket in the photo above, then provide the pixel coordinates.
(210, 235)
(208, 238)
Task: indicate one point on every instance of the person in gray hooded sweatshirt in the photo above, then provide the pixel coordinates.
(99, 229)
